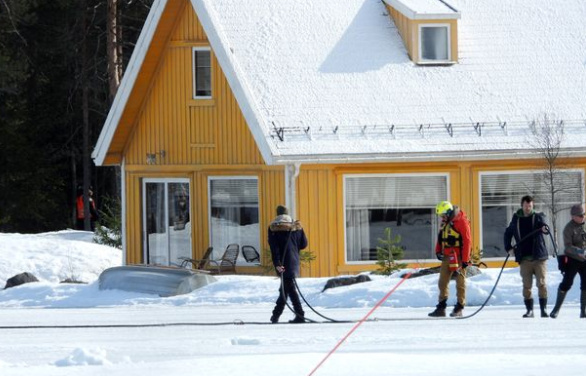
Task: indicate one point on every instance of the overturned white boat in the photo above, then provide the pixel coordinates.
(151, 279)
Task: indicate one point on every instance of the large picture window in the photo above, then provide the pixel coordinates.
(501, 195)
(202, 73)
(404, 203)
(234, 213)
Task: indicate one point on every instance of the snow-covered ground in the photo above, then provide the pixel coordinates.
(497, 340)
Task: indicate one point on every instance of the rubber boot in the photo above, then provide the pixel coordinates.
(583, 305)
(529, 306)
(298, 308)
(276, 314)
(297, 320)
(543, 306)
(559, 300)
(457, 312)
(440, 309)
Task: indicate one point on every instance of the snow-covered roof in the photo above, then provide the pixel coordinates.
(331, 80)
(424, 9)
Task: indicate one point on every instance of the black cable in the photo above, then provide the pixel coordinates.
(159, 325)
(530, 235)
(316, 312)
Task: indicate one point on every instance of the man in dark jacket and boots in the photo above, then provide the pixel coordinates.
(530, 252)
(453, 250)
(286, 239)
(575, 260)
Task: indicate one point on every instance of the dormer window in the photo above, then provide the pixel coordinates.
(434, 43)
(202, 73)
(429, 29)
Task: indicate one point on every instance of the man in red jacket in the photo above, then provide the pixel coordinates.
(453, 250)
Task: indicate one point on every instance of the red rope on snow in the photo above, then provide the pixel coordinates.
(361, 321)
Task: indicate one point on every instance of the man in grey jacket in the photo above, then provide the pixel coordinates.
(575, 261)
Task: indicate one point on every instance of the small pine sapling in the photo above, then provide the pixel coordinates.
(388, 252)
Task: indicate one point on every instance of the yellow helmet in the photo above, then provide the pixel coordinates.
(444, 208)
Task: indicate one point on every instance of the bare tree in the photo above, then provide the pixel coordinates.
(114, 48)
(559, 187)
(115, 68)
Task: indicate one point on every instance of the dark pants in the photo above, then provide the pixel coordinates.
(80, 224)
(574, 267)
(291, 293)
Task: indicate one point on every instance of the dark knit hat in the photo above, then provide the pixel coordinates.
(577, 210)
(281, 210)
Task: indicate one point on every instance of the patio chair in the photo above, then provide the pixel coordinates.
(199, 264)
(250, 254)
(226, 264)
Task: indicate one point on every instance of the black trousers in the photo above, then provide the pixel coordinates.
(291, 293)
(572, 268)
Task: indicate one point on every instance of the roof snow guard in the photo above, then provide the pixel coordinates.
(425, 9)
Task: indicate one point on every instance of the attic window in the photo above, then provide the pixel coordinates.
(202, 73)
(434, 43)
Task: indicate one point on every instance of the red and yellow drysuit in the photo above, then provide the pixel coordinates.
(454, 243)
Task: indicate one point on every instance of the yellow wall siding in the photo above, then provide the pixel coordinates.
(318, 210)
(271, 192)
(189, 27)
(181, 130)
(320, 203)
(404, 26)
(133, 219)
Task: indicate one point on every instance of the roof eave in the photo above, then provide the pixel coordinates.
(453, 14)
(439, 156)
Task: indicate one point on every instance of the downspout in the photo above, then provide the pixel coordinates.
(291, 174)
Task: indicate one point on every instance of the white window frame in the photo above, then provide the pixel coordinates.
(511, 172)
(165, 181)
(384, 175)
(193, 61)
(449, 44)
(233, 177)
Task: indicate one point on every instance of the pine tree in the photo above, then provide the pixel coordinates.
(388, 252)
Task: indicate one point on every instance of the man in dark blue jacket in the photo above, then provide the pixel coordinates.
(531, 252)
(286, 239)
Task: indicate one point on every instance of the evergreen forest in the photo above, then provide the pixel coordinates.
(61, 62)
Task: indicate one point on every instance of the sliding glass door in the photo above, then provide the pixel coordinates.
(166, 221)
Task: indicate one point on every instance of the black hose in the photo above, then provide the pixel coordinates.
(530, 235)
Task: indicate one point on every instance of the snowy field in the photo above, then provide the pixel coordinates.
(496, 341)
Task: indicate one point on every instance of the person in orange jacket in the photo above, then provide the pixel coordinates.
(453, 250)
(79, 209)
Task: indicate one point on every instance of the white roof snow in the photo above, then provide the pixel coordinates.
(421, 9)
(331, 80)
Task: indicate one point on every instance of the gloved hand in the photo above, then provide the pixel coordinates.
(464, 265)
(280, 269)
(440, 256)
(511, 252)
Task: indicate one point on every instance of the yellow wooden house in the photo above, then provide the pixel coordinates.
(359, 115)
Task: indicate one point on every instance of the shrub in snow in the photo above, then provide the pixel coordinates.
(109, 229)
